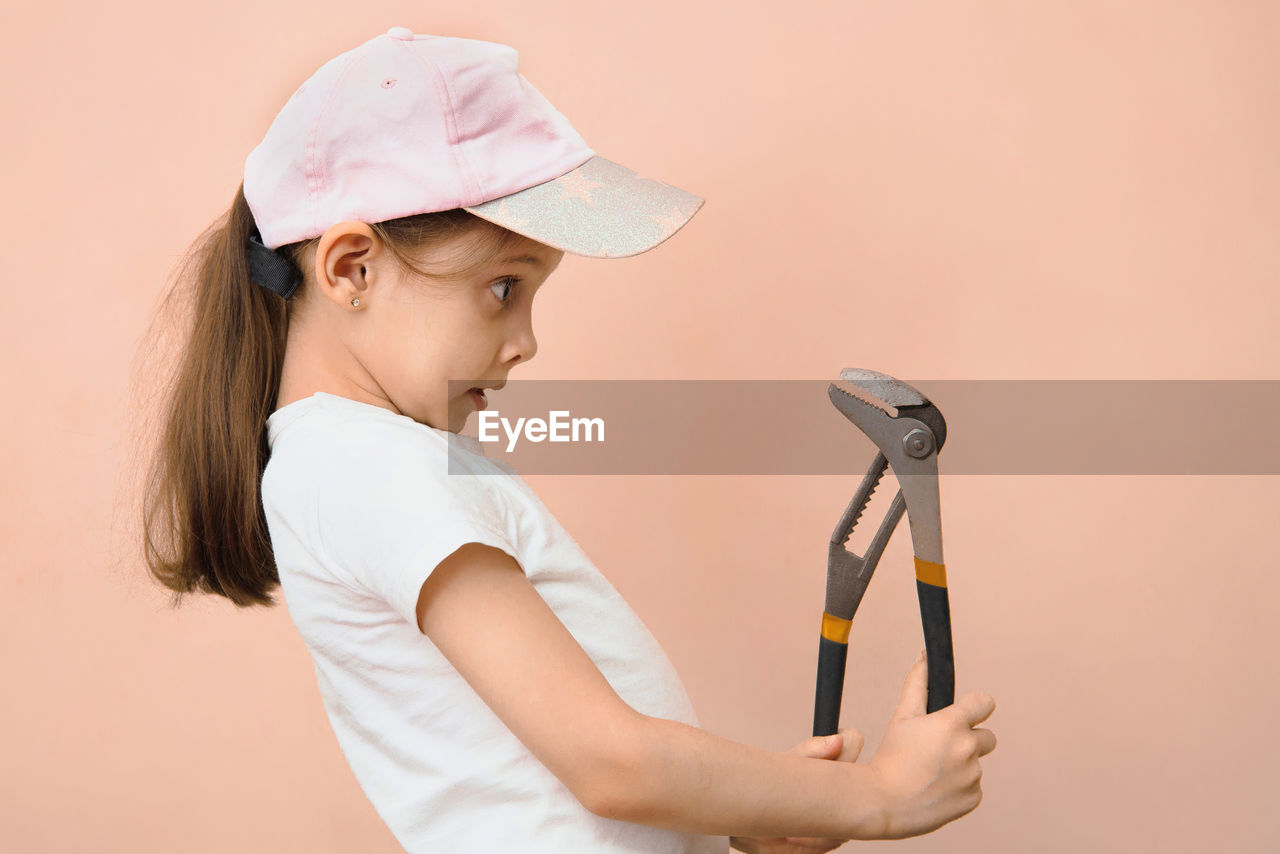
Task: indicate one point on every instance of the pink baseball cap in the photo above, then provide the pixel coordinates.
(408, 123)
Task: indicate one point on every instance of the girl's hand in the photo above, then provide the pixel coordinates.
(927, 763)
(844, 746)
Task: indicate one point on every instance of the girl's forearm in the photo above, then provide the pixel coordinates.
(688, 779)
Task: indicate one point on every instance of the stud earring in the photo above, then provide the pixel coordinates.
(356, 301)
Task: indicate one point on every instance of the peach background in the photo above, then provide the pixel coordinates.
(966, 190)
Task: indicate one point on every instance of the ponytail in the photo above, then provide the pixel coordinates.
(204, 528)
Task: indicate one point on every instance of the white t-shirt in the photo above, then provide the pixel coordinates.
(361, 505)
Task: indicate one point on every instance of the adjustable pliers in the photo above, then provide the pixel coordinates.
(908, 438)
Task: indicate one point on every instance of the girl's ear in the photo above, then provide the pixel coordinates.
(343, 256)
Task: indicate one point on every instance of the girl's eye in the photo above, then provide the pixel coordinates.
(509, 283)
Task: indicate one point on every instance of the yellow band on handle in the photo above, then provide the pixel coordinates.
(835, 629)
(931, 573)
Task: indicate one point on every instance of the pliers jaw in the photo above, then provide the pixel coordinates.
(888, 410)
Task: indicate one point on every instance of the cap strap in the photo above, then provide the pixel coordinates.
(271, 269)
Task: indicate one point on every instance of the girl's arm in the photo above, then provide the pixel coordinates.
(484, 615)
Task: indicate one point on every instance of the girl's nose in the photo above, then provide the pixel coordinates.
(524, 345)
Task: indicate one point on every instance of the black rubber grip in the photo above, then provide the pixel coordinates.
(826, 708)
(935, 618)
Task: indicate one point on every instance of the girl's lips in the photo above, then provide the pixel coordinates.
(477, 397)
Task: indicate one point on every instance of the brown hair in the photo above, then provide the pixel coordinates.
(203, 524)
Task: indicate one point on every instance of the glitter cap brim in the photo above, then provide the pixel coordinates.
(601, 209)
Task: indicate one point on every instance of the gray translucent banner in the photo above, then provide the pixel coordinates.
(758, 427)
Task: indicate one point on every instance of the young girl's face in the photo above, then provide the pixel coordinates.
(410, 337)
(475, 329)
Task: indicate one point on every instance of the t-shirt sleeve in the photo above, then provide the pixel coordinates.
(390, 511)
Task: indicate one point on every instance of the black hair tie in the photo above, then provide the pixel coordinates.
(271, 269)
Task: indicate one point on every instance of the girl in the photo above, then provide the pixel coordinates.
(490, 689)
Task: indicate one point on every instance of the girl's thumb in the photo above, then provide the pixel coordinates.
(852, 746)
(820, 746)
(843, 746)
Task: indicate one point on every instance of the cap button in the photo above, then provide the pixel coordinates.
(403, 33)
